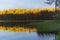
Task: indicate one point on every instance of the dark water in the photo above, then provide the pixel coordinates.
(25, 36)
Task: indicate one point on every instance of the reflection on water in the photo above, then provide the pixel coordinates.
(47, 37)
(18, 36)
(17, 29)
(24, 36)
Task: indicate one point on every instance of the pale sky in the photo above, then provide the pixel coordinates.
(5, 4)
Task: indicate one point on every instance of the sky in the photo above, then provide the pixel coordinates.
(6, 4)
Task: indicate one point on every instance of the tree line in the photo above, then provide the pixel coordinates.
(42, 15)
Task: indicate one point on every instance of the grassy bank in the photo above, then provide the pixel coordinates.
(47, 25)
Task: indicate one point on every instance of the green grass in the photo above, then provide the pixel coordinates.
(47, 25)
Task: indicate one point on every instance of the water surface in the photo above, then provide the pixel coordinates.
(24, 36)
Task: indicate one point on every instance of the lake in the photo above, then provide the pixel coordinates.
(24, 36)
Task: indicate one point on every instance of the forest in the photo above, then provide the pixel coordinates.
(42, 15)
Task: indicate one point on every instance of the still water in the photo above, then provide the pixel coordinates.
(24, 36)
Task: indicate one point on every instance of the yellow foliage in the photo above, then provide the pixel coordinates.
(17, 29)
(22, 11)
